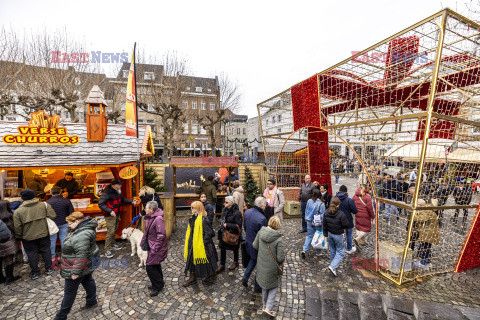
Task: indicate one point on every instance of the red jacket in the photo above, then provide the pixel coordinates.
(365, 211)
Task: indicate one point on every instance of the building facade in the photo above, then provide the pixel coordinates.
(236, 135)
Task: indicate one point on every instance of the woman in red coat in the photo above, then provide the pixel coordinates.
(365, 214)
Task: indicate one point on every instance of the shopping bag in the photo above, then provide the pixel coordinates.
(319, 241)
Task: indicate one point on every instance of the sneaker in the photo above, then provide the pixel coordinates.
(354, 249)
(332, 271)
(244, 282)
(88, 306)
(48, 272)
(34, 276)
(269, 312)
(108, 254)
(154, 293)
(304, 255)
(116, 247)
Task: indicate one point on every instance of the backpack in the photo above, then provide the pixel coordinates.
(318, 218)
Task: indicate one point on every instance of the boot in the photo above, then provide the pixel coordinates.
(9, 273)
(190, 280)
(2, 277)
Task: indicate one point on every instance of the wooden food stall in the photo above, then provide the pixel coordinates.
(94, 157)
(198, 162)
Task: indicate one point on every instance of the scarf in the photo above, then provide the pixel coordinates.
(270, 196)
(199, 254)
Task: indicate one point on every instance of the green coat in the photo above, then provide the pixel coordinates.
(267, 270)
(210, 191)
(79, 249)
(30, 221)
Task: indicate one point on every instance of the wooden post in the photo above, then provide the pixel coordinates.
(174, 198)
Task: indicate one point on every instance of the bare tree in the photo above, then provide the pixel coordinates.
(165, 99)
(49, 71)
(230, 100)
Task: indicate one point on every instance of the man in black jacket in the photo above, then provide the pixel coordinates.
(326, 196)
(306, 193)
(68, 185)
(63, 208)
(463, 196)
(110, 202)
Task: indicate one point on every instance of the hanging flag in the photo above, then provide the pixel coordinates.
(131, 123)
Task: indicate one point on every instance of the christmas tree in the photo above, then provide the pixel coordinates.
(151, 180)
(251, 188)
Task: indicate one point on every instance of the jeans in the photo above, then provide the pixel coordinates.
(70, 293)
(214, 206)
(112, 226)
(390, 208)
(465, 217)
(303, 206)
(248, 271)
(62, 234)
(424, 252)
(33, 248)
(349, 238)
(155, 275)
(337, 249)
(268, 297)
(308, 240)
(337, 177)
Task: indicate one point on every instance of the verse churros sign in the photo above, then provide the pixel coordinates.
(42, 129)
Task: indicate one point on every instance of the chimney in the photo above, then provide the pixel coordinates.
(96, 115)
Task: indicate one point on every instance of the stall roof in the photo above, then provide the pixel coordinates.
(116, 149)
(226, 162)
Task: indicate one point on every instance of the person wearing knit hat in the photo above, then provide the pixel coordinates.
(348, 207)
(231, 221)
(27, 194)
(30, 224)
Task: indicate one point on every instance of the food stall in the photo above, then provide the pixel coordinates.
(44, 146)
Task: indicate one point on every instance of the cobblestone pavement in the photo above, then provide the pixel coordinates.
(123, 294)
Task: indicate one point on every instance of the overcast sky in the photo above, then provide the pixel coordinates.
(267, 46)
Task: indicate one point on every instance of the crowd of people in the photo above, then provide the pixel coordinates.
(254, 231)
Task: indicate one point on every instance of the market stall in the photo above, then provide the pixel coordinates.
(47, 149)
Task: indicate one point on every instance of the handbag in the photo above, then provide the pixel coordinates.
(51, 225)
(279, 266)
(145, 246)
(319, 241)
(245, 256)
(317, 219)
(231, 238)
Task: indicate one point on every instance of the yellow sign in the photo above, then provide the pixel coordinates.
(73, 170)
(128, 172)
(43, 172)
(42, 129)
(93, 170)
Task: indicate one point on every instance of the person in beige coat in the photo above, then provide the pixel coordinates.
(275, 199)
(426, 222)
(239, 195)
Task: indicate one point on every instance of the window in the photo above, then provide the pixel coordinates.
(124, 89)
(142, 90)
(150, 107)
(194, 127)
(267, 122)
(150, 121)
(194, 105)
(188, 88)
(238, 130)
(209, 90)
(77, 81)
(125, 73)
(279, 130)
(204, 105)
(198, 89)
(160, 128)
(212, 106)
(185, 104)
(185, 127)
(202, 130)
(244, 131)
(124, 105)
(279, 117)
(273, 119)
(148, 76)
(140, 121)
(11, 118)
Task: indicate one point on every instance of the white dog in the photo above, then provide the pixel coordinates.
(135, 237)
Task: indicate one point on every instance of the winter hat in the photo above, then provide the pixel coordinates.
(27, 194)
(229, 199)
(217, 175)
(343, 188)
